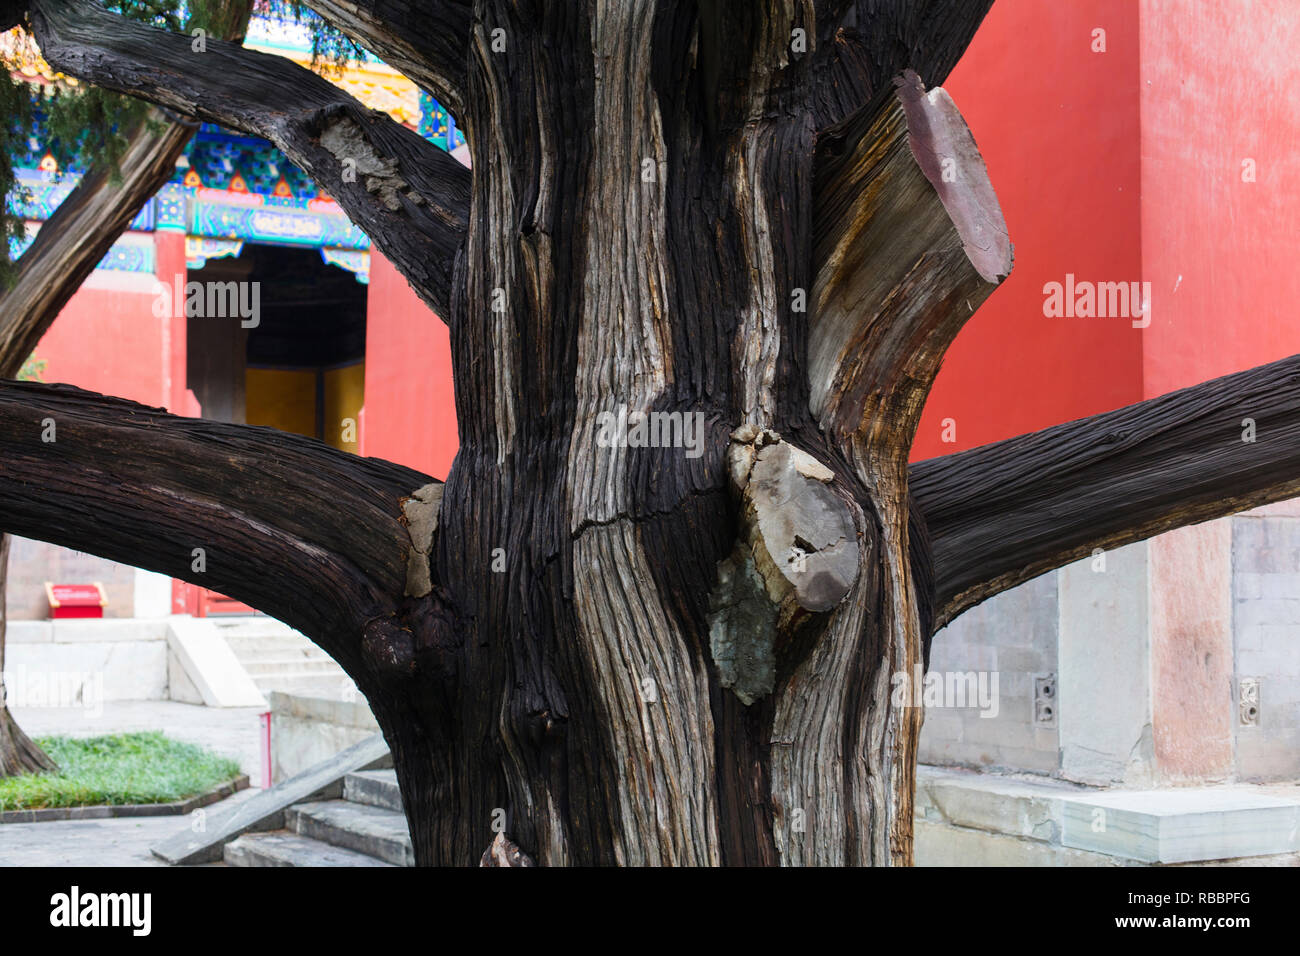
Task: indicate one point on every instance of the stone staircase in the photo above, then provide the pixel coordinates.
(365, 828)
(277, 657)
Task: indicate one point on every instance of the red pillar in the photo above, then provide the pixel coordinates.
(410, 410)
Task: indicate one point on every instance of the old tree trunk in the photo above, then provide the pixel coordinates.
(746, 233)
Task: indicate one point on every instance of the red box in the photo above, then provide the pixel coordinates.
(76, 600)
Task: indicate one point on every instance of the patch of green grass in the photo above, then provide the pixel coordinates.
(117, 769)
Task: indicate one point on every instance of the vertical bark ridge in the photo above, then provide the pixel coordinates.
(493, 283)
(652, 683)
(656, 698)
(893, 729)
(624, 352)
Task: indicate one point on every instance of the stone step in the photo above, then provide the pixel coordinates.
(256, 648)
(282, 848)
(376, 788)
(254, 626)
(290, 665)
(331, 687)
(355, 826)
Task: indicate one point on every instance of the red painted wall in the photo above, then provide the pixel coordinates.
(1220, 84)
(107, 339)
(410, 411)
(1058, 127)
(169, 250)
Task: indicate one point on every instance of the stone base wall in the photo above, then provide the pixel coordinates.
(1170, 662)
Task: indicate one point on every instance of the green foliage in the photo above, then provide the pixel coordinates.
(117, 769)
(15, 103)
(33, 369)
(82, 125)
(331, 49)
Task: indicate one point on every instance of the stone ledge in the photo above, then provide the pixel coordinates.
(1126, 827)
(937, 844)
(87, 630)
(342, 713)
(1013, 805)
(1183, 825)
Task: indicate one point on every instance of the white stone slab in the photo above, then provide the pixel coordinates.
(29, 632)
(210, 664)
(85, 674)
(1104, 700)
(1182, 825)
(107, 630)
(991, 802)
(266, 810)
(153, 594)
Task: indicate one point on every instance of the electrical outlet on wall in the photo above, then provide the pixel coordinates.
(1045, 700)
(1248, 701)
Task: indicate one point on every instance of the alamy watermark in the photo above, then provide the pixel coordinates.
(209, 300)
(624, 429)
(73, 909)
(946, 689)
(1102, 300)
(20, 687)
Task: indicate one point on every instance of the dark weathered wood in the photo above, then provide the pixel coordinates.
(427, 40)
(1007, 512)
(410, 197)
(909, 242)
(641, 242)
(307, 533)
(863, 44)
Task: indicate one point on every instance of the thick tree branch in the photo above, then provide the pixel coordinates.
(311, 535)
(863, 44)
(1004, 513)
(409, 196)
(427, 42)
(908, 241)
